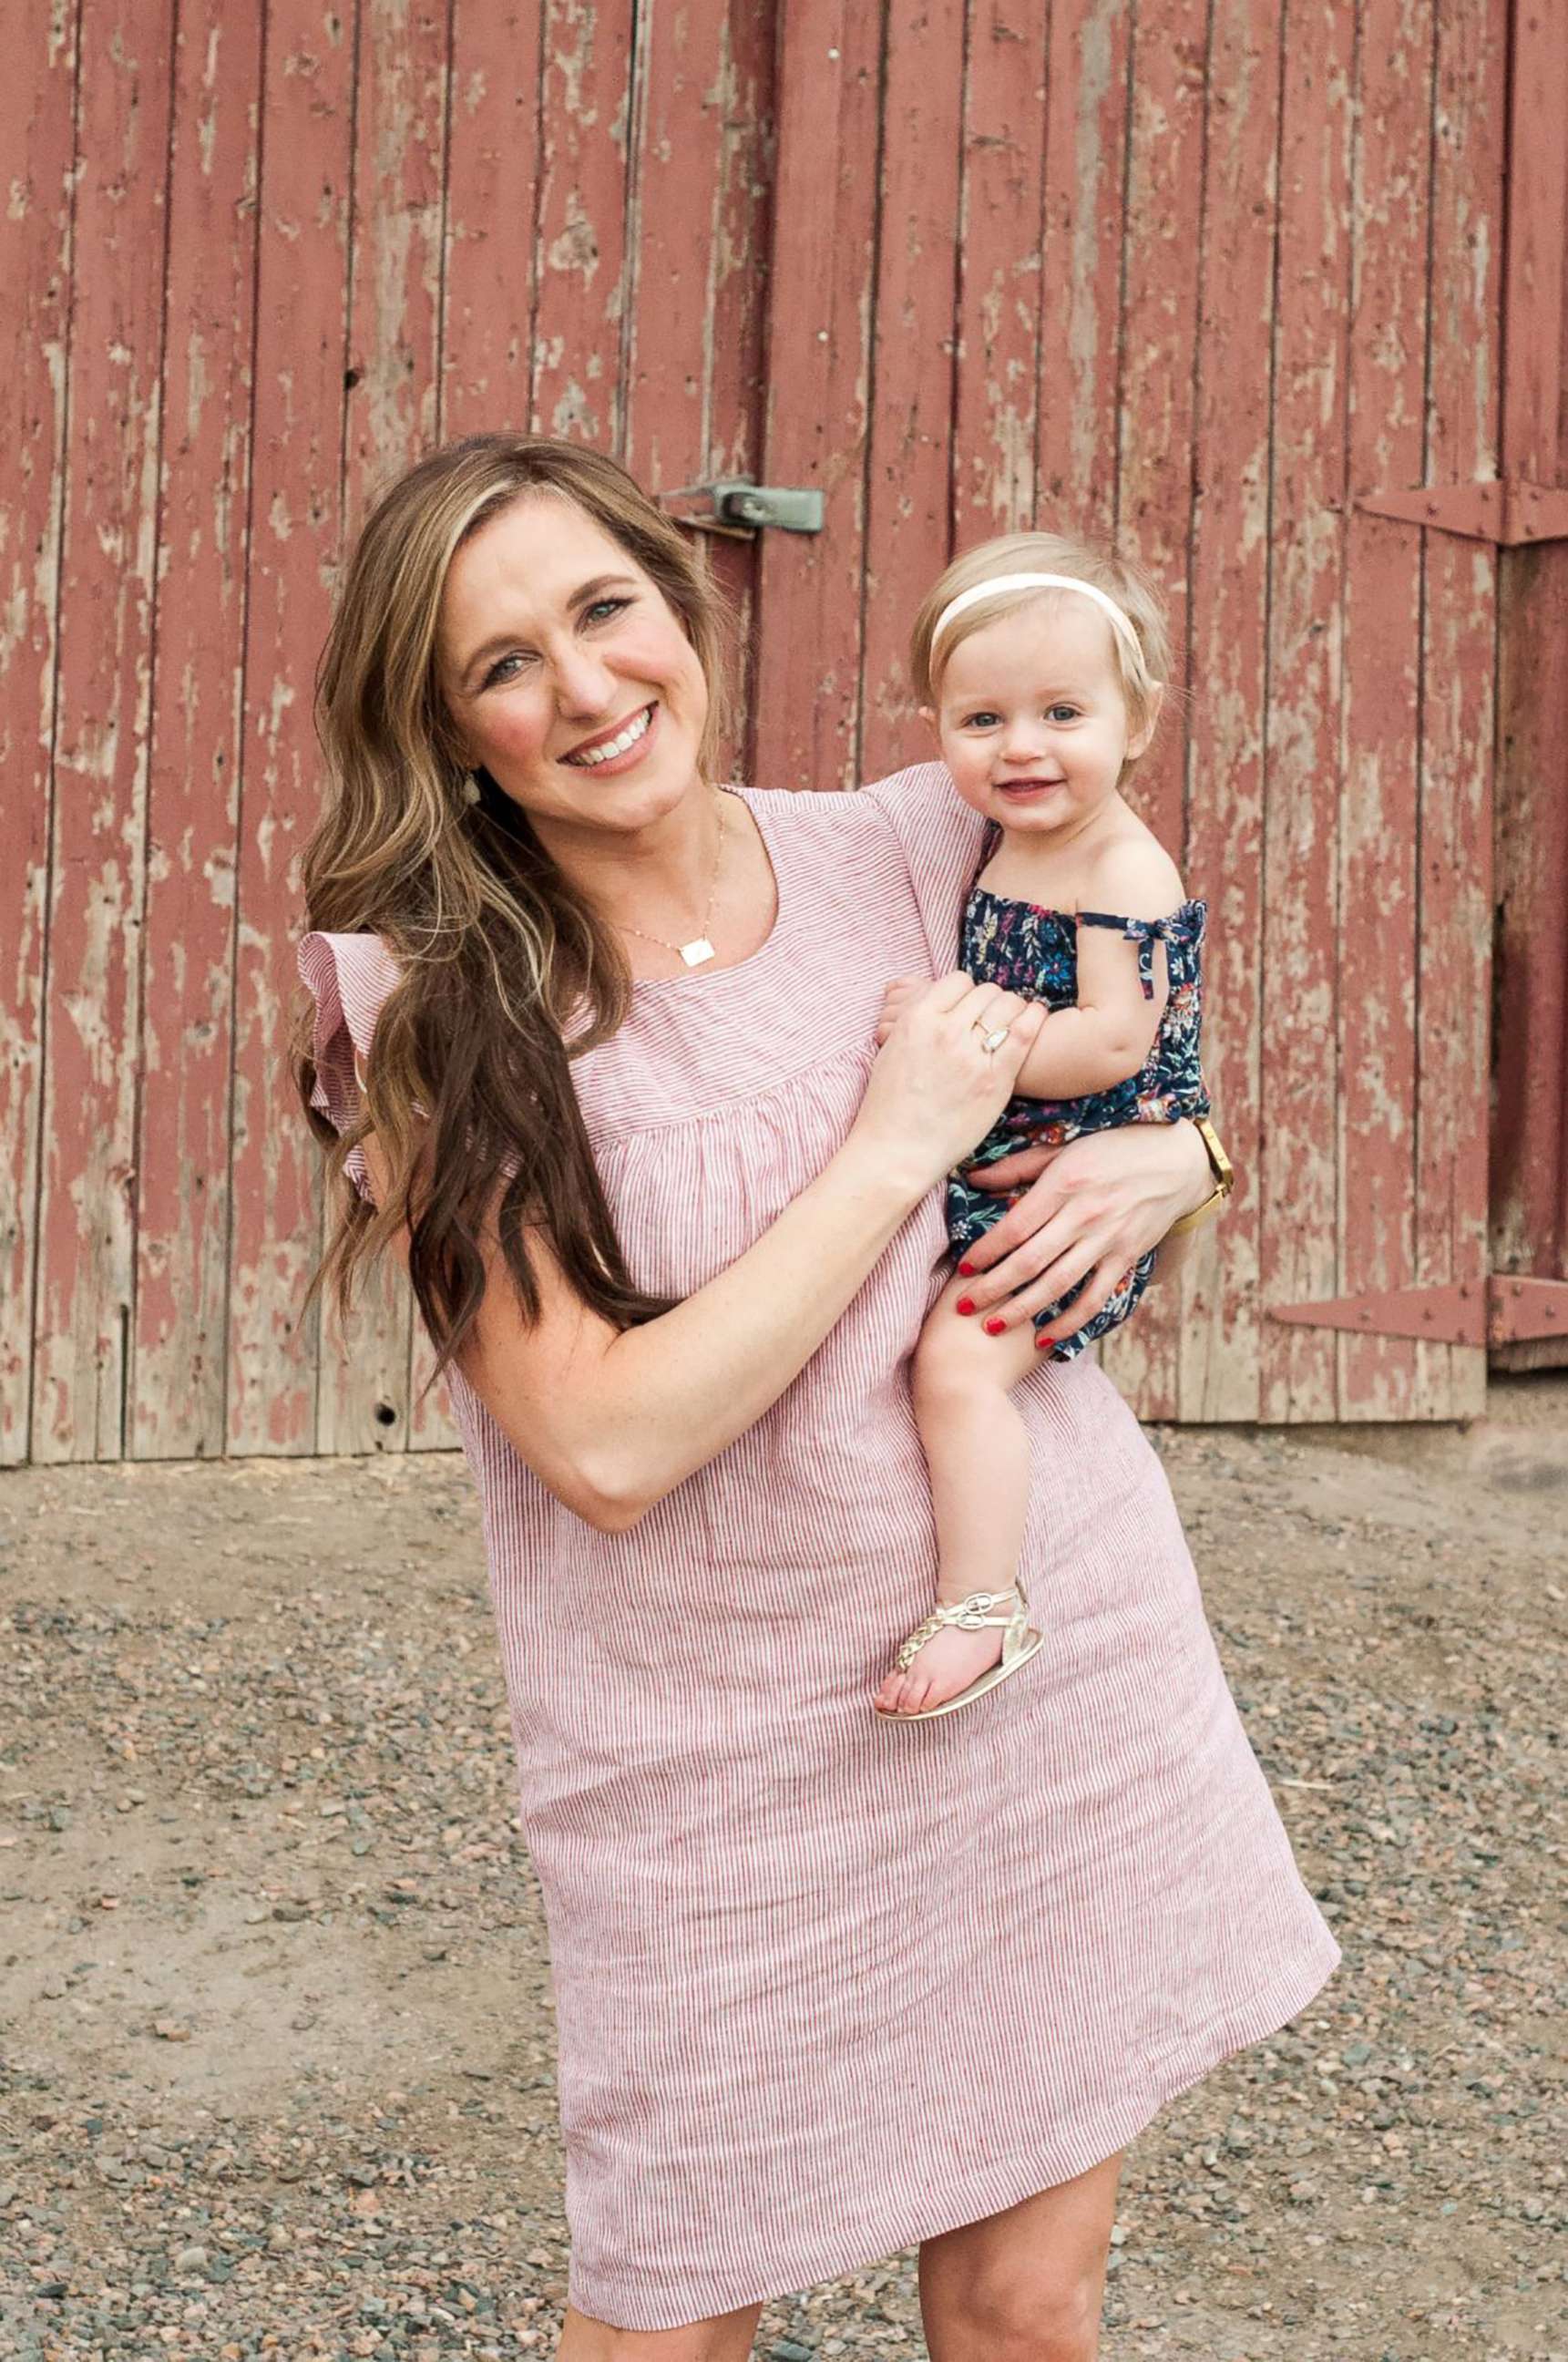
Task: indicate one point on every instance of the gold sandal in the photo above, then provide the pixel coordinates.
(1020, 1642)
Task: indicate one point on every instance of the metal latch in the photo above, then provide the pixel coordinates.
(737, 507)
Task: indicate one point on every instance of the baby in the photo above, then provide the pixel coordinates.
(1039, 664)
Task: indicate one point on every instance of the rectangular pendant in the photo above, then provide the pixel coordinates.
(694, 954)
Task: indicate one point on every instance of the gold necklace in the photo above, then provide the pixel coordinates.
(699, 949)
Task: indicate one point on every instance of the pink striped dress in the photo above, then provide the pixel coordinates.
(827, 1985)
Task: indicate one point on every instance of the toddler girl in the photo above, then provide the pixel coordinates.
(1039, 664)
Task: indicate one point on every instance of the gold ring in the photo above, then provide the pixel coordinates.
(994, 1039)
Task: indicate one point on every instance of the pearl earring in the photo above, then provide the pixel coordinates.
(471, 790)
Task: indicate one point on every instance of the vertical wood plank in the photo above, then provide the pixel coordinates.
(1529, 1177)
(87, 1248)
(492, 173)
(908, 526)
(1154, 481)
(697, 273)
(177, 1397)
(1089, 69)
(1298, 1155)
(996, 427)
(396, 243)
(822, 302)
(1383, 627)
(1228, 631)
(296, 493)
(588, 92)
(1458, 717)
(37, 135)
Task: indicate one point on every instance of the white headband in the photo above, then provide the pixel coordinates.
(1119, 616)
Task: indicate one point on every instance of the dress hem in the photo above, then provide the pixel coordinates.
(1009, 2182)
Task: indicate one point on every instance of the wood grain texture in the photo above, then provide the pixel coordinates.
(1454, 975)
(1298, 1252)
(1156, 428)
(919, 378)
(396, 252)
(1000, 293)
(699, 178)
(1530, 1150)
(822, 303)
(1227, 623)
(1378, 908)
(87, 1205)
(491, 195)
(38, 101)
(296, 497)
(178, 1373)
(1088, 69)
(590, 89)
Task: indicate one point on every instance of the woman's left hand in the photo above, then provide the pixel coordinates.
(1090, 1211)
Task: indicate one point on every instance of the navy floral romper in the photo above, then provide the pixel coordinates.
(1034, 953)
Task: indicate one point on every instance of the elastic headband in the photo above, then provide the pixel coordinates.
(1118, 616)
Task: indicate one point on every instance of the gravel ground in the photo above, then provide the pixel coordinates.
(275, 2032)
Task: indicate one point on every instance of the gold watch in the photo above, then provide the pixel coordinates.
(1224, 1174)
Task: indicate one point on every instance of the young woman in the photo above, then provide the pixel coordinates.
(596, 1042)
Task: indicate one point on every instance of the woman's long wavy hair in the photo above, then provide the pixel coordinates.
(470, 1092)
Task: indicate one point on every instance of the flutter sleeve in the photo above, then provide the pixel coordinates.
(940, 841)
(348, 977)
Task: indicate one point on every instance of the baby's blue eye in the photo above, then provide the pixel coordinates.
(1062, 714)
(985, 719)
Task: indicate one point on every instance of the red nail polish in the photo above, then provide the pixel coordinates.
(1042, 1344)
(995, 1328)
(965, 1303)
(967, 1270)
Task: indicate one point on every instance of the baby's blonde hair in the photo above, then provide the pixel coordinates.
(1141, 677)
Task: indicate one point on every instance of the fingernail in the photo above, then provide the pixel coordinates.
(966, 1271)
(965, 1303)
(995, 1328)
(1042, 1344)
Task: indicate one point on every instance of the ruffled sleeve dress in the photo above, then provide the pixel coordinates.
(828, 1984)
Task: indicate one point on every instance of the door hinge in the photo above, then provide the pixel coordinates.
(1504, 510)
(1501, 1311)
(735, 506)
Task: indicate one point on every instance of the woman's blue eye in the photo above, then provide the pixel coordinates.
(602, 609)
(498, 672)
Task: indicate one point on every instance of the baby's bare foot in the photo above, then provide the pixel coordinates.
(947, 1663)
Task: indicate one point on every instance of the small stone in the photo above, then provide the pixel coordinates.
(291, 1912)
(189, 2259)
(167, 2029)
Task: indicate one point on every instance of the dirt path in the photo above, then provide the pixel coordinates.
(274, 2033)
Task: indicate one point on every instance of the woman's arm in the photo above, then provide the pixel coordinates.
(612, 1420)
(1097, 1205)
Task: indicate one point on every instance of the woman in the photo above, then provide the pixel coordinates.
(824, 1986)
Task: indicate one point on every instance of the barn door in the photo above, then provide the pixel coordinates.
(1217, 279)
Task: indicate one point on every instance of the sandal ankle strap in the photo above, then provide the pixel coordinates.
(971, 1614)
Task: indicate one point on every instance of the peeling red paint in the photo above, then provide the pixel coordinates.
(1197, 276)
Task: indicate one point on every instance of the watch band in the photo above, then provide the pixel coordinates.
(1224, 1174)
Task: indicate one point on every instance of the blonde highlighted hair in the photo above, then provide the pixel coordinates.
(1141, 677)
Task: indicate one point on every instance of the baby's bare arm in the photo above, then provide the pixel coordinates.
(1106, 1037)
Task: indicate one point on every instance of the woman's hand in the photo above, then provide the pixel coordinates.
(1097, 1205)
(935, 1090)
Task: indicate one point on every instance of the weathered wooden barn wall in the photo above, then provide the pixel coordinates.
(1530, 1131)
(1197, 274)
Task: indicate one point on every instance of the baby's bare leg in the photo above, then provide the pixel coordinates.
(977, 1449)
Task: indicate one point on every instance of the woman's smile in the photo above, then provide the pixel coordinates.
(620, 747)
